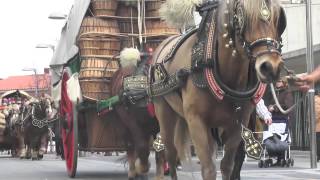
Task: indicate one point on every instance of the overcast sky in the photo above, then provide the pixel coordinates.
(24, 24)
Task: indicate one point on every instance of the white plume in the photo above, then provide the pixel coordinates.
(179, 13)
(129, 56)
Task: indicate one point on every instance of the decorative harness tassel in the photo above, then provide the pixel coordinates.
(252, 146)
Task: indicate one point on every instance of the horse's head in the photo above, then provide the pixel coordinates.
(42, 108)
(252, 29)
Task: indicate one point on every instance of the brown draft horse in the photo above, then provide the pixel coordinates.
(137, 120)
(254, 29)
(9, 140)
(34, 119)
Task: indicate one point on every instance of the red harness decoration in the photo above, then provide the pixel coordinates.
(151, 110)
(213, 85)
(219, 93)
(259, 93)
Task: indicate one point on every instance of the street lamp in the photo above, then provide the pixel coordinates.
(52, 47)
(57, 16)
(36, 78)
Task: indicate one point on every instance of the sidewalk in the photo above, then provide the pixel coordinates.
(250, 171)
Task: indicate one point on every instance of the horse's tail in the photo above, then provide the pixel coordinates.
(129, 57)
(181, 139)
(184, 15)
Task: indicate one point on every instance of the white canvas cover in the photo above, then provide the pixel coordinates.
(73, 88)
(66, 48)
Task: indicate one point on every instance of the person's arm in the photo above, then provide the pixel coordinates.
(304, 83)
(263, 112)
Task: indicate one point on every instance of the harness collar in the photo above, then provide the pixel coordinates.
(216, 86)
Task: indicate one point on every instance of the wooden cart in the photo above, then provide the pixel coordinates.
(9, 140)
(87, 57)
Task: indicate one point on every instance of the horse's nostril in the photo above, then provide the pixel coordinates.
(266, 69)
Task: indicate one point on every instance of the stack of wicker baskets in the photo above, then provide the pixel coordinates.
(153, 29)
(114, 26)
(156, 29)
(99, 44)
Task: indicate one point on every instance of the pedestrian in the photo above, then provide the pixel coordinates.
(263, 112)
(304, 82)
(317, 109)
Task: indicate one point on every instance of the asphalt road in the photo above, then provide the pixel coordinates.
(94, 167)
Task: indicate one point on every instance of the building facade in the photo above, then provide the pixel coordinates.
(27, 83)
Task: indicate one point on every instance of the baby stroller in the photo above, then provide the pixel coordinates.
(276, 144)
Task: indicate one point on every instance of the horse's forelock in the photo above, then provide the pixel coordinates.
(253, 8)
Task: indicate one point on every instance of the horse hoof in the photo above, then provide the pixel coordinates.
(141, 177)
(40, 156)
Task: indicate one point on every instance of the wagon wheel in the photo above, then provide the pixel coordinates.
(69, 131)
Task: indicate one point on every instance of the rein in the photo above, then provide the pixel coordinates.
(27, 116)
(292, 76)
(40, 123)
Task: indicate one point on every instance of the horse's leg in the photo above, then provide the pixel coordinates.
(43, 144)
(21, 144)
(34, 145)
(142, 162)
(131, 159)
(232, 139)
(160, 160)
(240, 155)
(141, 144)
(204, 145)
(167, 120)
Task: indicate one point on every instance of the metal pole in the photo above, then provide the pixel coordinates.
(310, 67)
(37, 82)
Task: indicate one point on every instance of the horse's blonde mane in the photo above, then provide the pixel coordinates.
(253, 7)
(179, 13)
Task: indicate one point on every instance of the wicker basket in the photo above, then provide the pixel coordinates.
(155, 27)
(95, 75)
(129, 42)
(95, 26)
(95, 88)
(152, 8)
(126, 11)
(98, 67)
(127, 19)
(104, 7)
(99, 46)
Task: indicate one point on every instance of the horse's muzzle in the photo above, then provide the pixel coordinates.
(268, 72)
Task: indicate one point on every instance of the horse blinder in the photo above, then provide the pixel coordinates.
(238, 24)
(282, 22)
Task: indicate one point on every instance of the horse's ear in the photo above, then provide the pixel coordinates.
(282, 22)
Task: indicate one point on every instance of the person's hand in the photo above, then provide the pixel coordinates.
(305, 82)
(268, 121)
(271, 108)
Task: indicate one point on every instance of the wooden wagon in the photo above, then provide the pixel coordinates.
(8, 139)
(84, 61)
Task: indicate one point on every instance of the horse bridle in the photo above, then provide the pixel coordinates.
(238, 24)
(235, 26)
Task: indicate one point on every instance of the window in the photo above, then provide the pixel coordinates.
(292, 1)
